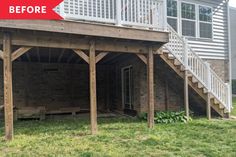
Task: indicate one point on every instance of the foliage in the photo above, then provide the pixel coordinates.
(167, 117)
(116, 137)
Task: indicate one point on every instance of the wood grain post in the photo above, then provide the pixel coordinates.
(150, 85)
(186, 94)
(8, 95)
(93, 92)
(208, 109)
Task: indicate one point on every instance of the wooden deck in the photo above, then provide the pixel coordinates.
(90, 41)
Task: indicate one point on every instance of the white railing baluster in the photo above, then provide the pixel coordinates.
(179, 48)
(118, 12)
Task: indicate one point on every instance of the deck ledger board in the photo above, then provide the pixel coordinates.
(8, 94)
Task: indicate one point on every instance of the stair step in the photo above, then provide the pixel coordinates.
(199, 85)
(170, 56)
(182, 68)
(216, 101)
(176, 62)
(205, 90)
(194, 80)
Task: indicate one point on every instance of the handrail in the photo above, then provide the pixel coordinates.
(179, 48)
(138, 13)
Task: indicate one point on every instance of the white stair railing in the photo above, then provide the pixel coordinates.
(141, 13)
(179, 48)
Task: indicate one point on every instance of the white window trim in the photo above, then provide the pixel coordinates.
(176, 18)
(196, 35)
(212, 33)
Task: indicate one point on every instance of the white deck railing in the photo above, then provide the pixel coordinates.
(180, 49)
(140, 13)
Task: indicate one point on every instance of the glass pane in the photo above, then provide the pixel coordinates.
(188, 11)
(172, 8)
(205, 30)
(188, 28)
(173, 23)
(205, 14)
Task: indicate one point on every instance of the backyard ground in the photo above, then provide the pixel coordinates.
(234, 105)
(121, 137)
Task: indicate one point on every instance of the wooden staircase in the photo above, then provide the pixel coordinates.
(194, 83)
(197, 73)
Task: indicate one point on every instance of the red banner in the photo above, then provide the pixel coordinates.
(29, 9)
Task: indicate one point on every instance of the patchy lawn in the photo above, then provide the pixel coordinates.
(234, 105)
(121, 137)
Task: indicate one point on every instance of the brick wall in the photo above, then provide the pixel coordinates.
(60, 85)
(175, 98)
(221, 67)
(54, 85)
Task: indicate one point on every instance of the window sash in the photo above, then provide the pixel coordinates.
(193, 13)
(208, 18)
(188, 11)
(172, 11)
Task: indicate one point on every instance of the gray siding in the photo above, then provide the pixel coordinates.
(216, 48)
(233, 40)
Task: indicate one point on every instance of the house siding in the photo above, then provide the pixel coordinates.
(217, 47)
(233, 40)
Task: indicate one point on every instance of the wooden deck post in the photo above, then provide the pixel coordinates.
(186, 94)
(93, 93)
(8, 95)
(208, 106)
(150, 85)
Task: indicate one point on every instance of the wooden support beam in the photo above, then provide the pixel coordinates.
(208, 109)
(1, 54)
(100, 56)
(142, 57)
(186, 94)
(150, 85)
(8, 95)
(82, 55)
(93, 92)
(19, 52)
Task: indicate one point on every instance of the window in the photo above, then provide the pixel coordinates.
(188, 14)
(205, 22)
(172, 14)
(193, 20)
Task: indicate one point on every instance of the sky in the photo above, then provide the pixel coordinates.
(232, 3)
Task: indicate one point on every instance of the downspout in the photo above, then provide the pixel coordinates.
(230, 55)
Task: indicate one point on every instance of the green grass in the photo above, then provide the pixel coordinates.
(121, 137)
(234, 105)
